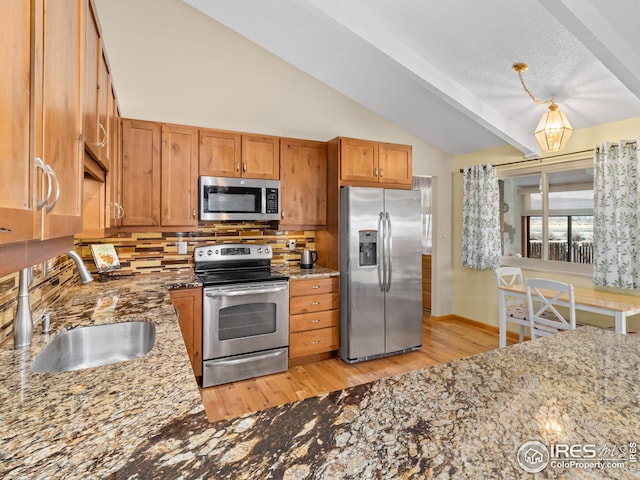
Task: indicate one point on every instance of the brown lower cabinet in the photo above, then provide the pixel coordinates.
(188, 303)
(314, 319)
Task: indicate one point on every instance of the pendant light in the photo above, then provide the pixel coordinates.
(553, 130)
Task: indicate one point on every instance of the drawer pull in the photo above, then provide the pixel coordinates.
(315, 303)
(315, 342)
(315, 286)
(315, 320)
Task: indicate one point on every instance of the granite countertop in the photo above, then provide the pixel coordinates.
(464, 419)
(88, 423)
(296, 272)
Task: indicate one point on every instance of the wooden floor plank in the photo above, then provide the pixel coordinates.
(443, 341)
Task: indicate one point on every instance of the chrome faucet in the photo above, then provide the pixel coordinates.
(23, 323)
(85, 276)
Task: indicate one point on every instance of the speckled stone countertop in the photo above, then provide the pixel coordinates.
(296, 272)
(464, 419)
(89, 423)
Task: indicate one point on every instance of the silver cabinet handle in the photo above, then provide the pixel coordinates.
(237, 167)
(52, 173)
(121, 209)
(381, 172)
(238, 293)
(103, 142)
(40, 164)
(315, 320)
(244, 167)
(282, 214)
(315, 342)
(315, 303)
(375, 172)
(193, 213)
(315, 286)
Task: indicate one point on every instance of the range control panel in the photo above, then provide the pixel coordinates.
(231, 252)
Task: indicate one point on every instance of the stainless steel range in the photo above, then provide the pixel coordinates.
(245, 313)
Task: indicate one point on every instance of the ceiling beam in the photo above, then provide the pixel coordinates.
(603, 40)
(429, 77)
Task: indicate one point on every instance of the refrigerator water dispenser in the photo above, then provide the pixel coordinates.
(368, 241)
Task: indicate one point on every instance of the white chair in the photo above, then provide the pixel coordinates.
(542, 299)
(516, 309)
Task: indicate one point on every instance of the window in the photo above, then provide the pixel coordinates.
(547, 213)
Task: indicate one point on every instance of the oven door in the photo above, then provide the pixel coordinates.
(245, 318)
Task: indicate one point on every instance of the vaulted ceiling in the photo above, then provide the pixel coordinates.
(442, 69)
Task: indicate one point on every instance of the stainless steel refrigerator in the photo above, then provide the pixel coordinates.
(380, 272)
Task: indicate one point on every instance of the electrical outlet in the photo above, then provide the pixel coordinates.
(182, 248)
(292, 245)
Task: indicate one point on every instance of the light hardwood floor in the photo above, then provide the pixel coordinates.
(442, 341)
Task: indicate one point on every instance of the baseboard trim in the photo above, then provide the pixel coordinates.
(475, 323)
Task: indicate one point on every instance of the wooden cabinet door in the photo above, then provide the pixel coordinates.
(114, 175)
(140, 173)
(188, 303)
(260, 157)
(219, 154)
(303, 181)
(18, 215)
(97, 90)
(394, 164)
(179, 176)
(358, 160)
(60, 119)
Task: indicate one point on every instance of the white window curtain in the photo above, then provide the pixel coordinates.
(481, 218)
(616, 238)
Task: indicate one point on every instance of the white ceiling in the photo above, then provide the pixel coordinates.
(442, 69)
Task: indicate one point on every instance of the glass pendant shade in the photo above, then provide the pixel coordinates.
(553, 130)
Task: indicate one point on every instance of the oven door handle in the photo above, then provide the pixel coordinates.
(238, 361)
(237, 293)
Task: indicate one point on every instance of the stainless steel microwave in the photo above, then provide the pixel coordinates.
(223, 198)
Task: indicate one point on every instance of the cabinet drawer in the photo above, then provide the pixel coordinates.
(313, 321)
(314, 286)
(314, 341)
(314, 303)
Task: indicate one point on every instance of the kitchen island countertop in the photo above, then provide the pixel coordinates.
(463, 419)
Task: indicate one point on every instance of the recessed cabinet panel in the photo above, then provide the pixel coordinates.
(179, 175)
(219, 153)
(394, 164)
(260, 157)
(359, 161)
(141, 173)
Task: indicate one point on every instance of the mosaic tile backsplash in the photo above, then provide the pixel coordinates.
(140, 253)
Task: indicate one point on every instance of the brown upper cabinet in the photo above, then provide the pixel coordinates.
(58, 63)
(220, 153)
(159, 174)
(97, 90)
(231, 154)
(141, 173)
(19, 217)
(179, 189)
(374, 164)
(303, 181)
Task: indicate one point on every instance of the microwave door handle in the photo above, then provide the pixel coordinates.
(238, 293)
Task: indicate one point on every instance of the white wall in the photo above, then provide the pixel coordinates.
(171, 63)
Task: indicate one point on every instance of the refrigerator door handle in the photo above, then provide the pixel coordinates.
(389, 234)
(381, 262)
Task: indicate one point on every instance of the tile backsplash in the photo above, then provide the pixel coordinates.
(146, 252)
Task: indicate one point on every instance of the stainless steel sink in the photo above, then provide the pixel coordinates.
(94, 346)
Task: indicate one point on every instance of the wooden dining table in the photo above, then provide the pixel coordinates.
(588, 299)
